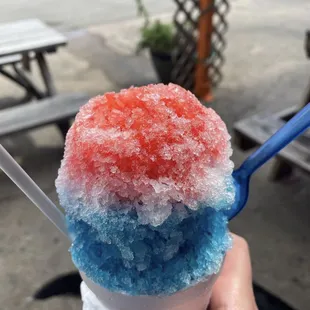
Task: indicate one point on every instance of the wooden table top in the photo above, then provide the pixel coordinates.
(28, 35)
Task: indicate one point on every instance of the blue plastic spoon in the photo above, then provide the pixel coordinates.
(292, 129)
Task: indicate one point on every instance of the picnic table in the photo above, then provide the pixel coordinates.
(21, 43)
(257, 129)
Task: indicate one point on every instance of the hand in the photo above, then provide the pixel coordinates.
(233, 289)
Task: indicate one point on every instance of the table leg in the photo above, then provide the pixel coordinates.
(13, 78)
(46, 75)
(280, 170)
(50, 89)
(30, 87)
(307, 96)
(22, 81)
(26, 62)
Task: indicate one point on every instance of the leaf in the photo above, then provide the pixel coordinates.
(157, 36)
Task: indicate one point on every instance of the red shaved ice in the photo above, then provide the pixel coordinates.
(149, 147)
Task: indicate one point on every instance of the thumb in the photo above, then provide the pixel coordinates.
(233, 289)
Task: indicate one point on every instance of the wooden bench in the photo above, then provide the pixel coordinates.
(57, 109)
(10, 60)
(255, 130)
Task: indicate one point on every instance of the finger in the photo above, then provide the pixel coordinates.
(233, 289)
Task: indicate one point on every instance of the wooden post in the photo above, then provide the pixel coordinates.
(202, 82)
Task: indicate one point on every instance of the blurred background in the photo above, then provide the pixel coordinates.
(90, 47)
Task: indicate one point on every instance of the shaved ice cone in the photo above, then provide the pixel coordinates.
(145, 182)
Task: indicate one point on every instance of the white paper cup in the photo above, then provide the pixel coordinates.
(193, 298)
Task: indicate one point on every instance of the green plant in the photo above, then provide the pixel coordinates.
(157, 36)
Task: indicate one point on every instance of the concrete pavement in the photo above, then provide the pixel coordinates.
(70, 14)
(265, 68)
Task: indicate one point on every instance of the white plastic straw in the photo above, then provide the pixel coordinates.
(31, 190)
